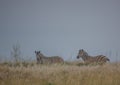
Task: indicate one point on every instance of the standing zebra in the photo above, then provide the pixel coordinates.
(47, 60)
(90, 59)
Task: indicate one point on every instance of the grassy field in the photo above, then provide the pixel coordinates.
(57, 74)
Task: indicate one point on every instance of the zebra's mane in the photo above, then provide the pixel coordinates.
(41, 55)
(85, 53)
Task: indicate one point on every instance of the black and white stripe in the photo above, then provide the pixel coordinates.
(91, 59)
(47, 60)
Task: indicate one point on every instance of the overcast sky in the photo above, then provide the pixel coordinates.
(60, 27)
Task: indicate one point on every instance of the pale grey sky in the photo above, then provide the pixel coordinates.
(60, 27)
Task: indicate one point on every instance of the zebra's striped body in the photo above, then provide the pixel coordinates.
(92, 59)
(47, 60)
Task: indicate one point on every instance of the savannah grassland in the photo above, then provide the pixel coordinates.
(60, 74)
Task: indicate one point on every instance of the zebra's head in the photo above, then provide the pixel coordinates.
(37, 55)
(37, 52)
(81, 53)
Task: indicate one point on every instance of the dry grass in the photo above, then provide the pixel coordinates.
(57, 74)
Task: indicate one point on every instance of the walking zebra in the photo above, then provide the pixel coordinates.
(92, 59)
(47, 60)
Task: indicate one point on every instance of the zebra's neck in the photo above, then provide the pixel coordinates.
(42, 56)
(85, 57)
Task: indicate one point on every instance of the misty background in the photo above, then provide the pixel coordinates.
(60, 27)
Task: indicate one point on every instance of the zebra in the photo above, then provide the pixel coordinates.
(41, 59)
(99, 59)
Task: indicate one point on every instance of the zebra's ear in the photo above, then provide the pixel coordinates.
(81, 50)
(35, 51)
(39, 51)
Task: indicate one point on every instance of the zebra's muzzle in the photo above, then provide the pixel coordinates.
(77, 57)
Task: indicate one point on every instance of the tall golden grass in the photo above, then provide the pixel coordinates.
(60, 74)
